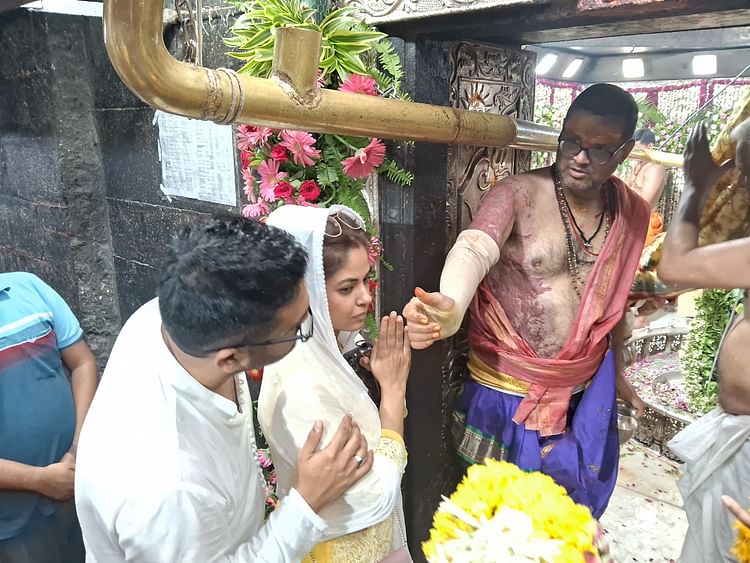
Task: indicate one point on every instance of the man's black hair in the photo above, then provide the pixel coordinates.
(644, 136)
(608, 100)
(224, 279)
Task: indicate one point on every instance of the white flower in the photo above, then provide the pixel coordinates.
(508, 537)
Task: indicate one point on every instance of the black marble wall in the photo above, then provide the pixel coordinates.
(142, 219)
(53, 213)
(415, 238)
(80, 203)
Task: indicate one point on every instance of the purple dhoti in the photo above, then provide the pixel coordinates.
(584, 459)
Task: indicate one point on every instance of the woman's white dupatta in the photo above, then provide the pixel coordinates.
(314, 382)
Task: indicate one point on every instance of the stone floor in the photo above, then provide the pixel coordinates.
(645, 521)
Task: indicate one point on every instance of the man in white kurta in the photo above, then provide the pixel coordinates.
(167, 469)
(175, 454)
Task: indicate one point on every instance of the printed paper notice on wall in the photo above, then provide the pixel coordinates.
(197, 159)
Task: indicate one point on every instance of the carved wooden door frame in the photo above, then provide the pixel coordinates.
(497, 80)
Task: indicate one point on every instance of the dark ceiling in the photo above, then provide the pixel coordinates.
(664, 34)
(512, 22)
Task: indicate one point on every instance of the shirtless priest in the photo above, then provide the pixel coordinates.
(545, 269)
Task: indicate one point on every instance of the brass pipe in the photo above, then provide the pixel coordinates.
(133, 38)
(668, 159)
(296, 54)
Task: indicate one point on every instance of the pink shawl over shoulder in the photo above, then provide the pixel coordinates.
(552, 380)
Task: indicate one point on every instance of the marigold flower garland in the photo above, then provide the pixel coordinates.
(741, 549)
(500, 513)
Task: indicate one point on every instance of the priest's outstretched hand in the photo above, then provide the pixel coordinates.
(430, 317)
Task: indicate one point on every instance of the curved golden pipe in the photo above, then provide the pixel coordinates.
(133, 37)
(134, 42)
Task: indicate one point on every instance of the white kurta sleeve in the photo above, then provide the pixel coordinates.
(189, 525)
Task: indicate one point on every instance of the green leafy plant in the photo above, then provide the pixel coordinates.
(280, 167)
(396, 174)
(388, 79)
(648, 113)
(350, 51)
(713, 310)
(344, 43)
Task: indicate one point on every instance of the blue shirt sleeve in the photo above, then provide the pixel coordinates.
(67, 329)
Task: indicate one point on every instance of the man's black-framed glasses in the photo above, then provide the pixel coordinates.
(303, 334)
(571, 148)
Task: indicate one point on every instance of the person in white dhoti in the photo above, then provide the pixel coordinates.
(716, 448)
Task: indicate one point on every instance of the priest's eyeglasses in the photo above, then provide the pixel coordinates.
(571, 148)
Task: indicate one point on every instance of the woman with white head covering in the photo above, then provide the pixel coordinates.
(315, 382)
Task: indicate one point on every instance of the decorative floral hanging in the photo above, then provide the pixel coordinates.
(280, 167)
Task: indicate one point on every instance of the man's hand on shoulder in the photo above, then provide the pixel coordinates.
(324, 475)
(428, 315)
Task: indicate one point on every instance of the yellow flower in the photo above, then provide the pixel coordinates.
(742, 544)
(488, 487)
